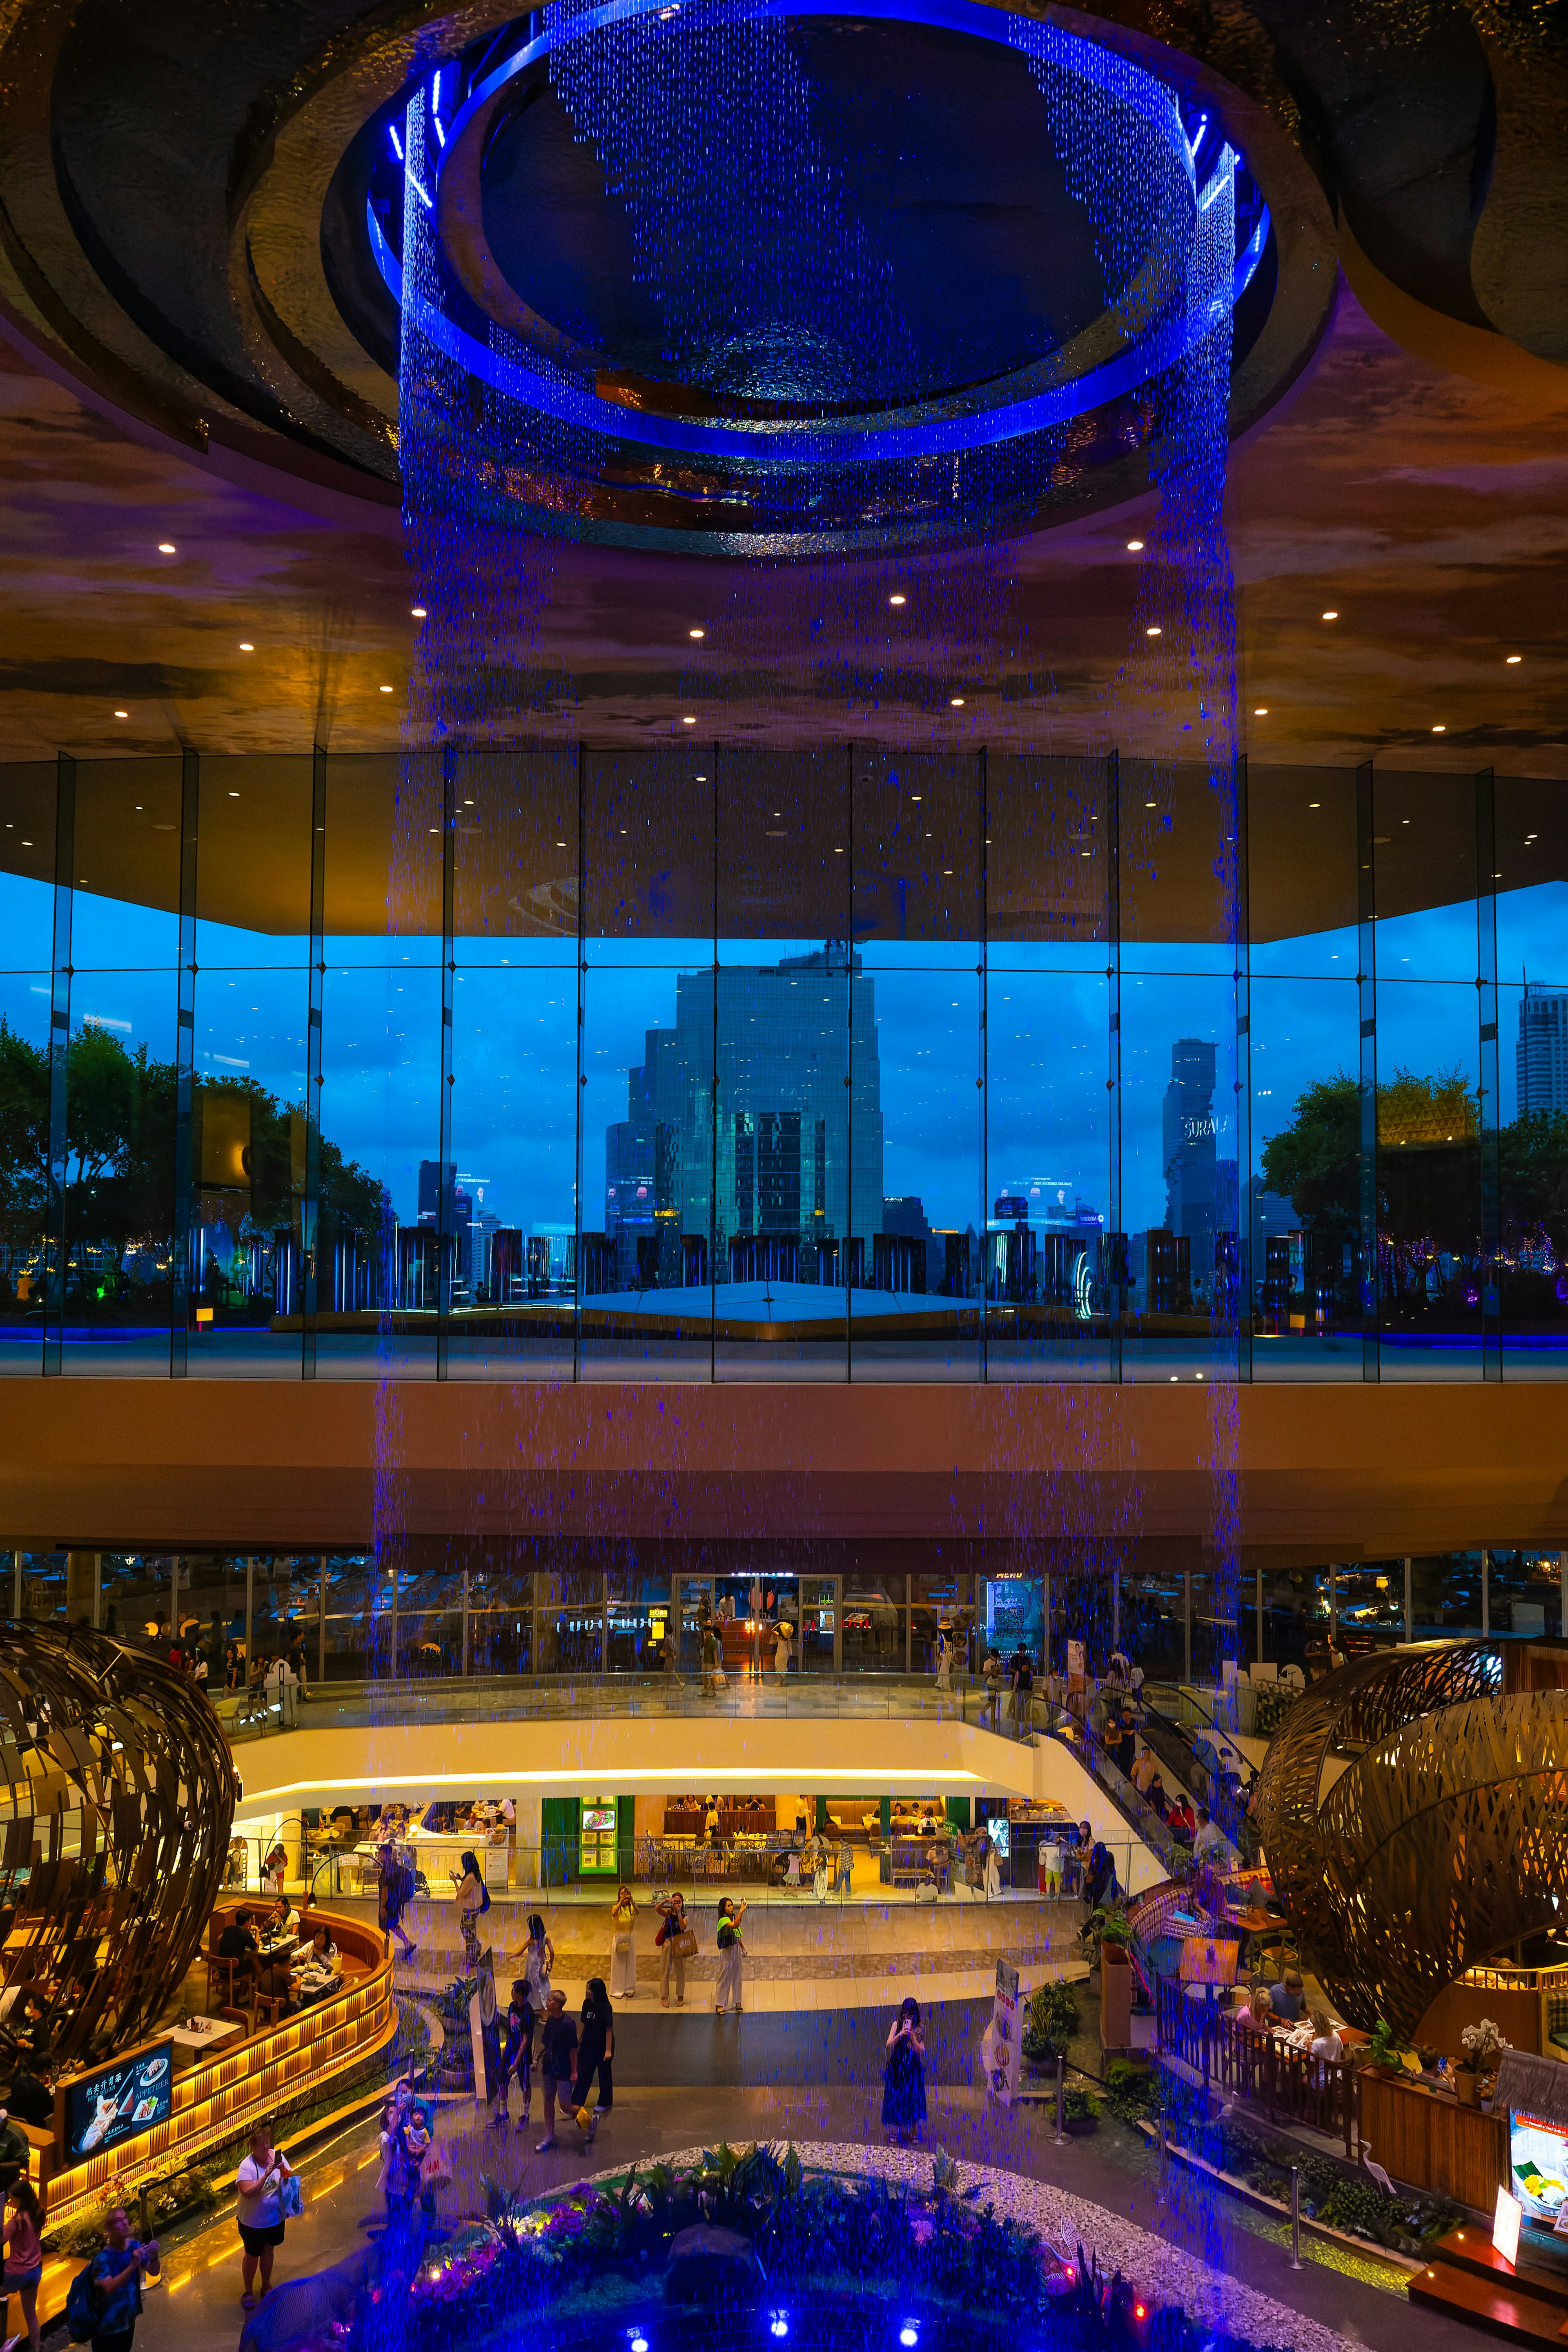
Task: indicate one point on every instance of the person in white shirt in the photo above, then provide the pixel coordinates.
(1210, 1839)
(281, 1683)
(1326, 2042)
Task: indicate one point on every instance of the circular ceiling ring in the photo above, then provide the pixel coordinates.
(945, 427)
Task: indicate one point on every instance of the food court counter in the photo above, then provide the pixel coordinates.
(439, 1855)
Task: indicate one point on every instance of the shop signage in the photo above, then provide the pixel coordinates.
(118, 2103)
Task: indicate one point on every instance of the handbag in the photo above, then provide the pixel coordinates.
(435, 2169)
(686, 1943)
(291, 2199)
(721, 1680)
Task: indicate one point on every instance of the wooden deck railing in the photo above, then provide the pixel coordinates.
(1258, 2067)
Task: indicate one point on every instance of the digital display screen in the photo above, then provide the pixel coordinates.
(598, 1817)
(999, 1830)
(118, 2102)
(1538, 2161)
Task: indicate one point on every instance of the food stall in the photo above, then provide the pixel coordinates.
(438, 1834)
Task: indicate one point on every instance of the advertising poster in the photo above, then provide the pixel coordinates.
(487, 2029)
(999, 2044)
(118, 2102)
(1538, 2161)
(1077, 1680)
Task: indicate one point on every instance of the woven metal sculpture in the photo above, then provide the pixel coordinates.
(1443, 1840)
(117, 1794)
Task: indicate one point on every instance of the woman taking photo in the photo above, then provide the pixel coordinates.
(473, 1902)
(732, 1952)
(623, 1951)
(259, 2183)
(672, 1927)
(904, 2075)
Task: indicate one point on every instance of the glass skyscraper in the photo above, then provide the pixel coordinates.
(751, 1120)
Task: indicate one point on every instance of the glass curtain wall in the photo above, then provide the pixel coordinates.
(707, 1064)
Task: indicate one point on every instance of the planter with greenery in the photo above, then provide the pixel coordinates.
(1049, 2024)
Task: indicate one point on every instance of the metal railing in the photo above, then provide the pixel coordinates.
(1258, 2067)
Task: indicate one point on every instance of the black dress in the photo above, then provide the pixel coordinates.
(904, 2087)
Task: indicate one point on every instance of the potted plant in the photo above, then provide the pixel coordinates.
(1116, 1980)
(1080, 2113)
(1049, 2024)
(1483, 2047)
(1387, 2049)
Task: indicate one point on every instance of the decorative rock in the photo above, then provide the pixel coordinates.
(710, 2265)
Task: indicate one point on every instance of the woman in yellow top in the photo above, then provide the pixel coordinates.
(623, 1951)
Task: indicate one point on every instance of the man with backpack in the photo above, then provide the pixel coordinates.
(105, 2299)
(1023, 1680)
(396, 1873)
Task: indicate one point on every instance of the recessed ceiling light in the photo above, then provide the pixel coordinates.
(897, 600)
(234, 796)
(1511, 658)
(1314, 803)
(1151, 803)
(838, 852)
(166, 547)
(957, 703)
(418, 612)
(123, 714)
(1331, 616)
(245, 647)
(1261, 711)
(561, 844)
(688, 722)
(1152, 633)
(696, 632)
(1439, 729)
(386, 689)
(1134, 546)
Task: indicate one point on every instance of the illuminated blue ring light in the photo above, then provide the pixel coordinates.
(927, 432)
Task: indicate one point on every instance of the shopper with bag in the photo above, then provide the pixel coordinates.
(105, 2299)
(261, 2182)
(623, 1950)
(473, 1902)
(557, 2061)
(675, 1942)
(435, 2170)
(595, 2049)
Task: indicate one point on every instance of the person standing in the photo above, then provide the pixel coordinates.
(595, 2052)
(557, 2061)
(516, 2056)
(538, 1960)
(117, 2272)
(904, 2075)
(781, 1652)
(944, 1662)
(473, 1902)
(25, 2256)
(672, 1926)
(710, 1688)
(1023, 1679)
(259, 2184)
(623, 1946)
(395, 1885)
(992, 1677)
(732, 1952)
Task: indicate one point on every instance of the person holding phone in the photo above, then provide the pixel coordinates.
(259, 2183)
(732, 1952)
(117, 2272)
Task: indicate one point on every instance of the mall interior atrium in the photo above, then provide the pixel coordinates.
(580, 1463)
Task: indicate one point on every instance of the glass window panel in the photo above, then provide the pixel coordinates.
(253, 862)
(27, 864)
(1152, 1635)
(1532, 1197)
(875, 1617)
(1305, 1193)
(786, 851)
(944, 1603)
(120, 1204)
(643, 1270)
(382, 880)
(1424, 870)
(1178, 1171)
(1428, 1181)
(45, 1582)
(1178, 847)
(1048, 1261)
(514, 862)
(500, 1631)
(248, 1171)
(25, 1003)
(1445, 1594)
(213, 1590)
(1369, 1605)
(127, 878)
(646, 825)
(1045, 875)
(513, 1175)
(1525, 1594)
(381, 1070)
(1301, 896)
(430, 1642)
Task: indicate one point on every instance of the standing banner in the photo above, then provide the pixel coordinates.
(999, 2044)
(487, 2029)
(1076, 1679)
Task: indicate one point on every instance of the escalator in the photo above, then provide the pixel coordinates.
(1221, 1786)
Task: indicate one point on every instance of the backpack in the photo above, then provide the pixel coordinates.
(82, 2307)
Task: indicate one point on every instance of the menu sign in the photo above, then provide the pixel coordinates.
(119, 2103)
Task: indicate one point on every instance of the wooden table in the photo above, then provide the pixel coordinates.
(210, 2035)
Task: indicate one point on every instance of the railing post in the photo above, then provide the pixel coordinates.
(1295, 2216)
(1061, 2078)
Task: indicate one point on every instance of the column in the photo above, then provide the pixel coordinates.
(1243, 1095)
(315, 1245)
(250, 1609)
(16, 1587)
(1260, 1616)
(1489, 1083)
(185, 1202)
(1116, 1609)
(1186, 1625)
(1046, 1627)
(1115, 1239)
(54, 1236)
(1409, 1602)
(447, 1192)
(321, 1624)
(465, 1624)
(1333, 1604)
(1486, 1593)
(1367, 981)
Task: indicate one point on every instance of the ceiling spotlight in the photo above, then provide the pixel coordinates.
(234, 796)
(165, 547)
(957, 702)
(417, 611)
(688, 722)
(1134, 546)
(1152, 633)
(1331, 616)
(1511, 658)
(245, 647)
(897, 600)
(386, 689)
(1314, 803)
(696, 632)
(1261, 711)
(1151, 805)
(123, 714)
(1440, 730)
